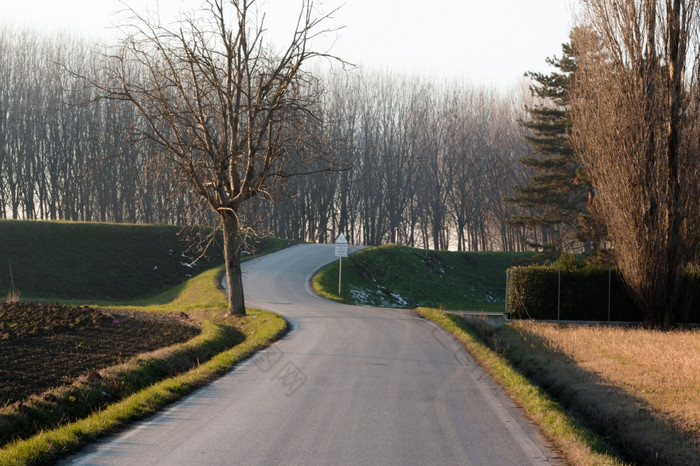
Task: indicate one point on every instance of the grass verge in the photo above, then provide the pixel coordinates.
(200, 292)
(579, 444)
(322, 283)
(121, 394)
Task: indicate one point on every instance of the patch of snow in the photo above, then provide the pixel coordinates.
(359, 295)
(399, 299)
(185, 264)
(365, 297)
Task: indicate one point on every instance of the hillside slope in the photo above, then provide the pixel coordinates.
(399, 276)
(67, 260)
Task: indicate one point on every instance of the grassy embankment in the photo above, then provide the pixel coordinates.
(591, 390)
(148, 382)
(59, 261)
(394, 276)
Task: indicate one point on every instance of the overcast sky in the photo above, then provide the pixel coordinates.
(484, 41)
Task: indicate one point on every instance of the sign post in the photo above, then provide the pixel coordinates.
(341, 250)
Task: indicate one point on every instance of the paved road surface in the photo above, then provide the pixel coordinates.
(348, 385)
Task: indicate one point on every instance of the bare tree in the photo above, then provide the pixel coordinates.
(636, 125)
(224, 110)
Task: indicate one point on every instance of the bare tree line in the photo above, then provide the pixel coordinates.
(59, 157)
(428, 163)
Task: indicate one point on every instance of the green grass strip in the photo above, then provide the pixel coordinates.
(49, 446)
(579, 444)
(324, 280)
(199, 292)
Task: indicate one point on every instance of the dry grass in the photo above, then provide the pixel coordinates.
(659, 367)
(641, 388)
(13, 297)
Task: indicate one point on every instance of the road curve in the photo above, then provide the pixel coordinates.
(348, 385)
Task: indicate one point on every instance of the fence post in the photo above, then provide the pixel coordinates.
(609, 291)
(559, 296)
(340, 275)
(507, 286)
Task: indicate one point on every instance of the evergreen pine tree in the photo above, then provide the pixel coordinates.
(554, 197)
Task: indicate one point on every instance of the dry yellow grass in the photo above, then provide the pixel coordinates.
(641, 387)
(662, 368)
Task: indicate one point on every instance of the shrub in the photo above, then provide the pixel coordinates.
(570, 290)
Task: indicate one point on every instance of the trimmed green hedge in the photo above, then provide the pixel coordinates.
(533, 293)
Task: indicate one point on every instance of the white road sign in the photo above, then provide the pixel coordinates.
(341, 246)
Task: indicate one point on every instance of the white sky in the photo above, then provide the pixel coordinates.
(484, 41)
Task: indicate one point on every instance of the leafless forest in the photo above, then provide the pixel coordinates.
(426, 163)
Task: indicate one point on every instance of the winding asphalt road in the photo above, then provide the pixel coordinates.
(348, 385)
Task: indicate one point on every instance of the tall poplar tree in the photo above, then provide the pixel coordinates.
(636, 125)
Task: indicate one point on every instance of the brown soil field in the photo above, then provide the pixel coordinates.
(46, 345)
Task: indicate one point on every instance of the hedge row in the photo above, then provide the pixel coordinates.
(549, 292)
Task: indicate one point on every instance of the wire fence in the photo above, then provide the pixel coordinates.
(562, 297)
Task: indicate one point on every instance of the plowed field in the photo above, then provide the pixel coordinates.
(45, 345)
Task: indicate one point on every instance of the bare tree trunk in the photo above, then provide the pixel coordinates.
(232, 256)
(673, 222)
